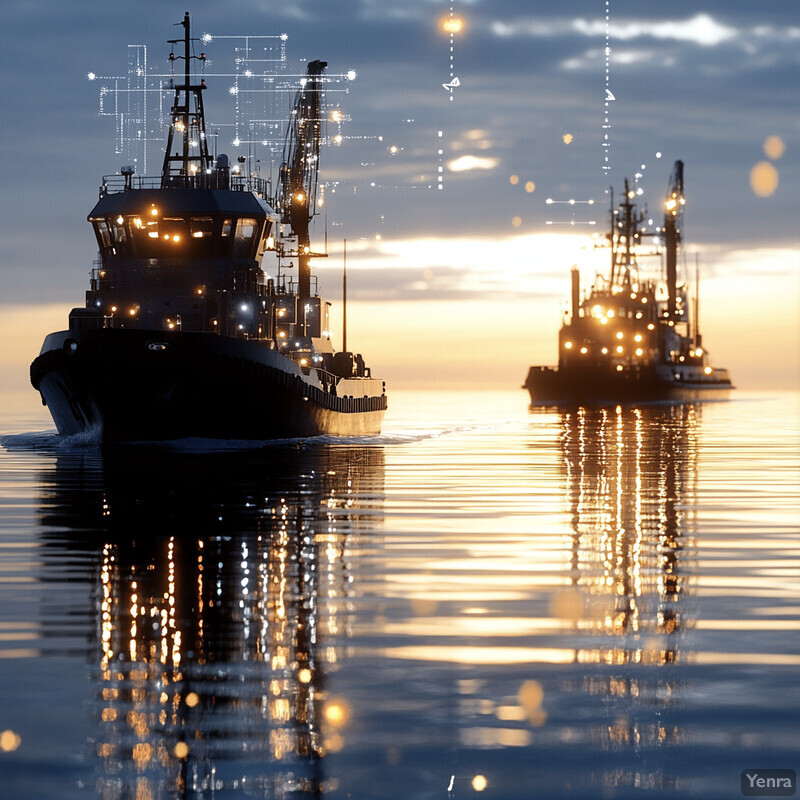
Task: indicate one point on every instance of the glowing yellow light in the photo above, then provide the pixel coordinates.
(300, 197)
(176, 238)
(393, 149)
(193, 168)
(304, 675)
(336, 115)
(516, 221)
(137, 222)
(639, 351)
(113, 309)
(567, 138)
(604, 351)
(619, 367)
(337, 712)
(671, 204)
(638, 337)
(763, 179)
(530, 187)
(153, 234)
(619, 334)
(303, 362)
(154, 212)
(651, 327)
(568, 345)
(132, 312)
(707, 370)
(337, 139)
(620, 348)
(610, 312)
(452, 24)
(479, 783)
(699, 351)
(514, 180)
(120, 220)
(181, 750)
(584, 350)
(281, 335)
(9, 741)
(773, 147)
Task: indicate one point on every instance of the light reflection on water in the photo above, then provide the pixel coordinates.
(585, 603)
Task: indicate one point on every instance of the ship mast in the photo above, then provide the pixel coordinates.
(297, 186)
(673, 214)
(190, 164)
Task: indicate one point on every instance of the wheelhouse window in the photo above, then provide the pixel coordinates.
(247, 230)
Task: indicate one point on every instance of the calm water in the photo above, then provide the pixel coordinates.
(486, 601)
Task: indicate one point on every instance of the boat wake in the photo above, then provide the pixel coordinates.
(53, 441)
(50, 440)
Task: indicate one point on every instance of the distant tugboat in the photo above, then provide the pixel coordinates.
(182, 334)
(631, 340)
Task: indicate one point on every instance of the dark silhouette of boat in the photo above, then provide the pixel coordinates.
(632, 339)
(183, 334)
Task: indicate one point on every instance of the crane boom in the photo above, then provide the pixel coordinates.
(297, 186)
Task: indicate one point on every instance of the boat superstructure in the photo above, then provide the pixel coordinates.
(632, 338)
(183, 334)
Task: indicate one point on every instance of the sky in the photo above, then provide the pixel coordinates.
(463, 285)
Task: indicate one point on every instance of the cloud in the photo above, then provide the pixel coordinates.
(467, 163)
(701, 29)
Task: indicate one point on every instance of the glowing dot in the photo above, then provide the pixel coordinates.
(763, 179)
(658, 154)
(452, 24)
(9, 741)
(337, 712)
(516, 221)
(567, 138)
(192, 699)
(181, 750)
(479, 783)
(773, 147)
(304, 676)
(514, 180)
(530, 186)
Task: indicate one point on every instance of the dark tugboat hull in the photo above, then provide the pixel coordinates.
(124, 385)
(548, 385)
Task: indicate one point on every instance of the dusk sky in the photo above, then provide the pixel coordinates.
(463, 285)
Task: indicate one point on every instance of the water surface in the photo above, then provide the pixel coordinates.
(485, 601)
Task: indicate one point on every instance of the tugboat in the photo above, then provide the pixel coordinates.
(183, 334)
(631, 339)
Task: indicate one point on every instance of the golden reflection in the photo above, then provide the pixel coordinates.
(631, 482)
(629, 473)
(223, 596)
